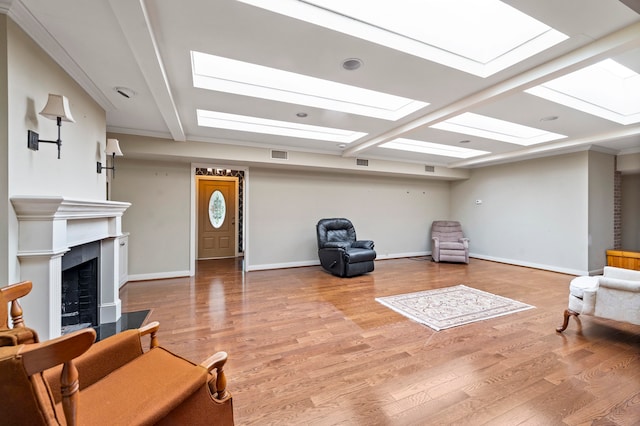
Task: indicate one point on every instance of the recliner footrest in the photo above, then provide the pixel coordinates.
(356, 255)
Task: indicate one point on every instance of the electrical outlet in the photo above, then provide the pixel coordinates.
(32, 140)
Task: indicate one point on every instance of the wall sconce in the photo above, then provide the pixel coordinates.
(113, 149)
(57, 108)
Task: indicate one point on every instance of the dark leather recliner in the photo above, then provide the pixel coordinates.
(340, 252)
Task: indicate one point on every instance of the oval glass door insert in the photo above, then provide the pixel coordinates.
(217, 209)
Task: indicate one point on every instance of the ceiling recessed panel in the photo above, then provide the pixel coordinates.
(242, 78)
(607, 89)
(493, 128)
(480, 37)
(221, 120)
(423, 147)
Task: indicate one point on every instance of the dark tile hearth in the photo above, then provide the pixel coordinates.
(127, 321)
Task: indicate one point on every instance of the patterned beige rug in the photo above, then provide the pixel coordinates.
(451, 306)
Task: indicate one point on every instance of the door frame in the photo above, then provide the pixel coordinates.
(193, 243)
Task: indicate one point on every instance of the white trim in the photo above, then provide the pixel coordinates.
(544, 267)
(159, 276)
(285, 265)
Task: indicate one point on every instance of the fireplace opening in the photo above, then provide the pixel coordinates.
(79, 305)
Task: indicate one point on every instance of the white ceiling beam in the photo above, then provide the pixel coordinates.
(134, 22)
(612, 44)
(533, 151)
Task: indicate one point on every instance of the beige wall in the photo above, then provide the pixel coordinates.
(284, 207)
(533, 213)
(159, 217)
(30, 76)
(544, 213)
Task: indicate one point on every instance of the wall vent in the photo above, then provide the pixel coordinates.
(279, 155)
(362, 162)
(430, 169)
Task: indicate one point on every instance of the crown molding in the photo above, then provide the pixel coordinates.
(19, 13)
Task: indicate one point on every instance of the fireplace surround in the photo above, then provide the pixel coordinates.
(48, 227)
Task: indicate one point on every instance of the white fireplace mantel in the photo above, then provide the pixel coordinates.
(48, 227)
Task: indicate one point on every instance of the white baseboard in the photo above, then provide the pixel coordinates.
(401, 255)
(316, 262)
(159, 275)
(552, 268)
(284, 265)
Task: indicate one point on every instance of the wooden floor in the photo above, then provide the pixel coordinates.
(307, 348)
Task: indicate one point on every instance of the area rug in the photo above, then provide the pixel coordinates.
(451, 306)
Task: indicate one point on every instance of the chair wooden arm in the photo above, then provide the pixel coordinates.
(38, 357)
(151, 328)
(219, 388)
(12, 293)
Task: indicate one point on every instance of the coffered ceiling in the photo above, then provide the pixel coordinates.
(144, 62)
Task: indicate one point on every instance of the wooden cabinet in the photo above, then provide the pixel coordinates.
(624, 259)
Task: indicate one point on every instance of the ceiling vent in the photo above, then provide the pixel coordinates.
(279, 155)
(430, 169)
(362, 162)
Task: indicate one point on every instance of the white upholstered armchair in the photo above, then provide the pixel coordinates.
(614, 295)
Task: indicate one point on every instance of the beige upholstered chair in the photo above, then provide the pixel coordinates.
(614, 295)
(448, 244)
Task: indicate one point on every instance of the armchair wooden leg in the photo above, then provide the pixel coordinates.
(567, 313)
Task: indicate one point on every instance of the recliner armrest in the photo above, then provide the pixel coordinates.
(364, 244)
(336, 244)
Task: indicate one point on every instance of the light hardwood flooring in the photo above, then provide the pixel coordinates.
(308, 348)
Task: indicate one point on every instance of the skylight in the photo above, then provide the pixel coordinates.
(480, 37)
(432, 148)
(242, 78)
(607, 89)
(221, 120)
(500, 130)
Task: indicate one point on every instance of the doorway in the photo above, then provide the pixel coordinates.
(203, 172)
(217, 213)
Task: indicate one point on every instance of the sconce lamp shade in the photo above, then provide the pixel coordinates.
(57, 106)
(113, 148)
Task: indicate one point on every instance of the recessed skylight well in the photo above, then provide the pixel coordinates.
(432, 148)
(607, 89)
(480, 37)
(221, 120)
(500, 130)
(243, 78)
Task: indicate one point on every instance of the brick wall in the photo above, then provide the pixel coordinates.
(617, 207)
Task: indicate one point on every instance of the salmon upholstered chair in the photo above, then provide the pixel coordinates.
(448, 244)
(15, 333)
(72, 381)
